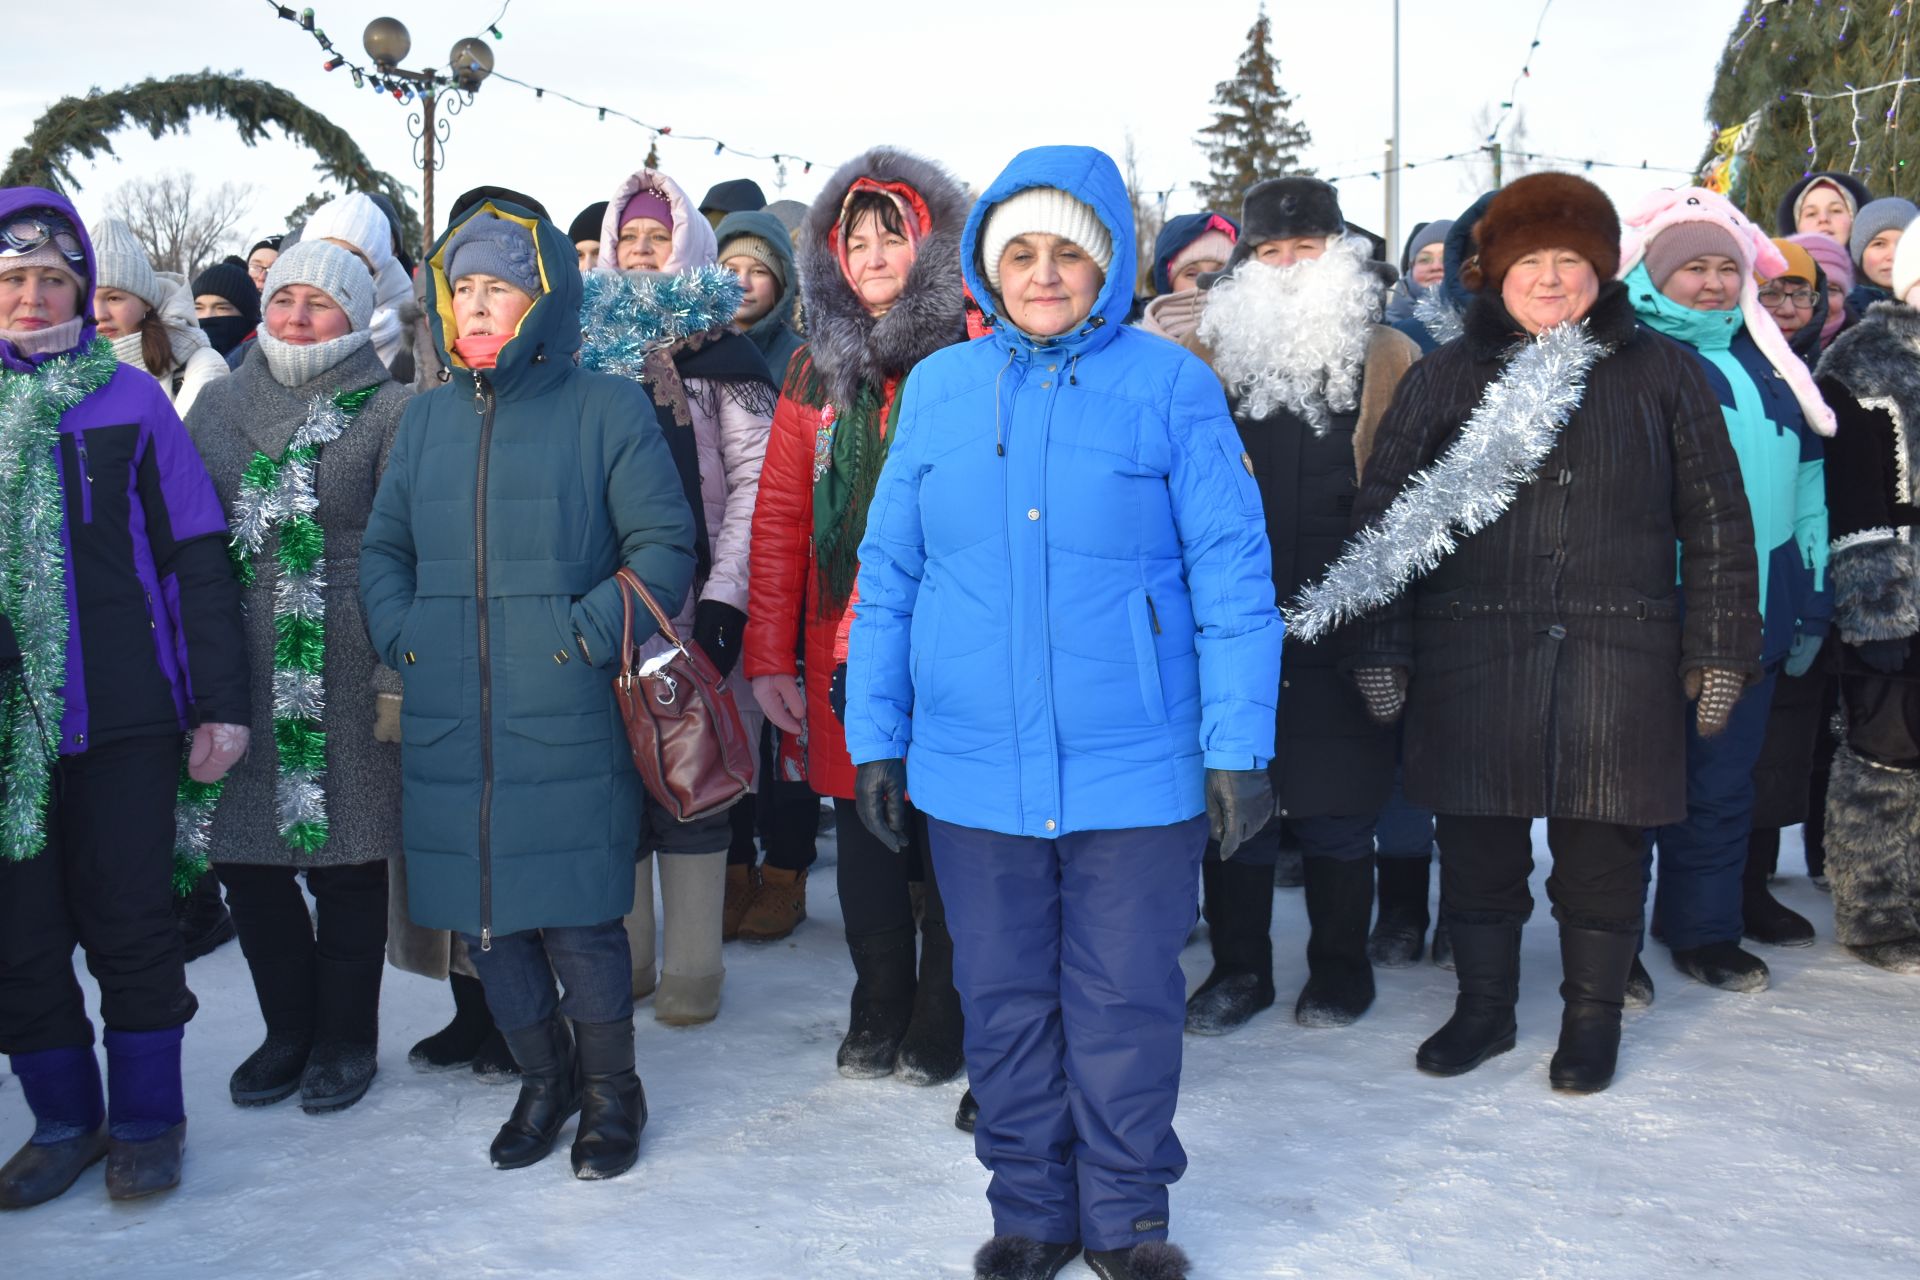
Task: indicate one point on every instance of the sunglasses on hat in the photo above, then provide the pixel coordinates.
(24, 235)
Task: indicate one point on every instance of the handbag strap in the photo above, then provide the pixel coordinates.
(630, 581)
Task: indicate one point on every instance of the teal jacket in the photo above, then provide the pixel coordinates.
(511, 498)
(1782, 462)
(1066, 611)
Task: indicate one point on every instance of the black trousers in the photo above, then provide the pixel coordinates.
(1598, 880)
(103, 882)
(873, 879)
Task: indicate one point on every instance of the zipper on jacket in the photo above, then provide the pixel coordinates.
(86, 477)
(483, 405)
(1153, 616)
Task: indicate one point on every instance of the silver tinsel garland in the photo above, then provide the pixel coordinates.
(33, 581)
(1468, 487)
(623, 319)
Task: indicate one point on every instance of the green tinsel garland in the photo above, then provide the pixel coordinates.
(33, 582)
(277, 501)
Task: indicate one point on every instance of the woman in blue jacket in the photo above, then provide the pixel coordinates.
(1067, 647)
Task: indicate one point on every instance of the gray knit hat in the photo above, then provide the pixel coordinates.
(1889, 213)
(330, 269)
(120, 262)
(486, 245)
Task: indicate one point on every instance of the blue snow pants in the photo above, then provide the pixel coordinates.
(1066, 955)
(1702, 859)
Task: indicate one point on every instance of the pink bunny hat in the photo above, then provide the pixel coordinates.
(1669, 208)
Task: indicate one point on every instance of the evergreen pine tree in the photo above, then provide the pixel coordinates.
(1779, 50)
(1252, 136)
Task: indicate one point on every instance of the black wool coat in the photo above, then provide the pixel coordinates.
(1547, 652)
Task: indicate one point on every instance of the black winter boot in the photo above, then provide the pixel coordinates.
(967, 1117)
(1237, 901)
(1339, 976)
(1765, 918)
(882, 1005)
(1400, 932)
(931, 1052)
(346, 1036)
(1487, 963)
(454, 1045)
(202, 918)
(1594, 965)
(613, 1105)
(549, 1094)
(1022, 1258)
(1724, 965)
(1154, 1260)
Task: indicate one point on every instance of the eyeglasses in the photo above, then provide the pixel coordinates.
(24, 235)
(1771, 296)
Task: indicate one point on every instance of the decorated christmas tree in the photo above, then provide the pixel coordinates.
(1811, 85)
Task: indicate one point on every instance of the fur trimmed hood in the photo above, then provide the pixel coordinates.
(849, 346)
(1759, 257)
(694, 244)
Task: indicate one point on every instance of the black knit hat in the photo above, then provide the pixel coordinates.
(586, 225)
(230, 280)
(1282, 207)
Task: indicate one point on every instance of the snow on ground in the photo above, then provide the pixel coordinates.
(1775, 1134)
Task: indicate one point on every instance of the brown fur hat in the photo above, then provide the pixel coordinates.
(1543, 211)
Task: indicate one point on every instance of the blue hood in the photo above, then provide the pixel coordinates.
(18, 200)
(1086, 174)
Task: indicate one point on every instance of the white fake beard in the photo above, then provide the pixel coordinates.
(1294, 337)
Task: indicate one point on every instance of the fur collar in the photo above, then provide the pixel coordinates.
(847, 345)
(1491, 333)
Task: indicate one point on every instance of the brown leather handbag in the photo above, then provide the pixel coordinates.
(684, 729)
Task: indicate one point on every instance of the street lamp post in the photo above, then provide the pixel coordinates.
(387, 42)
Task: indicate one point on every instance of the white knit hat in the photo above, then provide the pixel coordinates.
(1045, 209)
(330, 269)
(121, 263)
(1906, 263)
(357, 220)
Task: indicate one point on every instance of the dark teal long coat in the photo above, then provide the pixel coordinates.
(512, 497)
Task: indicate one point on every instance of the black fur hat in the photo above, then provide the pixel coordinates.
(1281, 207)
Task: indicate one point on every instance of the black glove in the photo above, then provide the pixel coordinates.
(1885, 656)
(1385, 690)
(837, 693)
(1239, 803)
(718, 628)
(880, 796)
(9, 645)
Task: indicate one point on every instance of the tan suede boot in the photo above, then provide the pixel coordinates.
(778, 908)
(743, 885)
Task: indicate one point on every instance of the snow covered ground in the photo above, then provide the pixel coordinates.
(1776, 1135)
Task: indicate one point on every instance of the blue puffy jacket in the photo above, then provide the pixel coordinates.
(1064, 638)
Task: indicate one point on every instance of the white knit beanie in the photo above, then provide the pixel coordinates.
(357, 220)
(330, 269)
(121, 263)
(1045, 209)
(1906, 264)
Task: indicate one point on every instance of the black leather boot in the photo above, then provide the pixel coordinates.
(613, 1105)
(1487, 963)
(882, 1005)
(1339, 975)
(1237, 901)
(1594, 965)
(549, 1094)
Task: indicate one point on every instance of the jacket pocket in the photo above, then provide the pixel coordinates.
(1141, 623)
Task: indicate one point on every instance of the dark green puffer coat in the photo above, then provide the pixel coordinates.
(512, 497)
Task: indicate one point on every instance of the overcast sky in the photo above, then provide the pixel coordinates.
(1624, 81)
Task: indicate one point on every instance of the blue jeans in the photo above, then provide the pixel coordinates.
(1067, 961)
(592, 961)
(1703, 858)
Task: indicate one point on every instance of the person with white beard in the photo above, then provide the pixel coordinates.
(1292, 329)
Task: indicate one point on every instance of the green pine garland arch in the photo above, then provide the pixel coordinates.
(83, 127)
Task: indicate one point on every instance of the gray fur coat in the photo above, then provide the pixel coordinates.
(232, 420)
